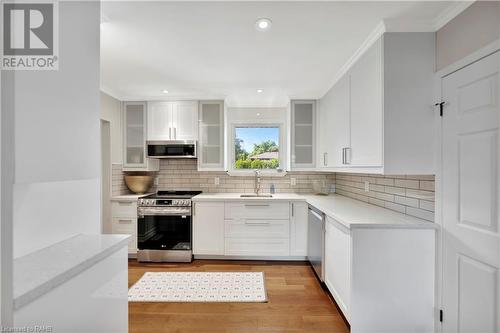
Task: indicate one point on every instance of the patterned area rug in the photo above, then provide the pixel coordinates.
(199, 287)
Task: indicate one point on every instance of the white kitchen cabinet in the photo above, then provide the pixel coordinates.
(160, 121)
(134, 131)
(371, 272)
(211, 136)
(255, 210)
(298, 228)
(257, 247)
(124, 221)
(172, 121)
(208, 228)
(389, 125)
(250, 229)
(366, 91)
(334, 125)
(337, 263)
(185, 115)
(303, 116)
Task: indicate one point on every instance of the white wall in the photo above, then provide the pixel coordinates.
(6, 195)
(57, 138)
(474, 28)
(111, 111)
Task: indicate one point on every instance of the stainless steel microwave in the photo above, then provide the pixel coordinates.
(171, 149)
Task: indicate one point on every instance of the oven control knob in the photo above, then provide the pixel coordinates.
(141, 201)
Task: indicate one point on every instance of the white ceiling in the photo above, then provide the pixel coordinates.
(211, 50)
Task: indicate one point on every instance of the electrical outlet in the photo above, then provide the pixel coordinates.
(217, 181)
(293, 181)
(157, 181)
(367, 186)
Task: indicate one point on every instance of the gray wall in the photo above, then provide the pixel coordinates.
(57, 137)
(111, 111)
(474, 28)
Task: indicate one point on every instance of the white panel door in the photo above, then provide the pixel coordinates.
(338, 263)
(185, 118)
(159, 121)
(340, 125)
(471, 248)
(366, 109)
(208, 228)
(298, 229)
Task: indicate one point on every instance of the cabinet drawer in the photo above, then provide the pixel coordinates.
(125, 225)
(257, 247)
(252, 228)
(257, 210)
(124, 208)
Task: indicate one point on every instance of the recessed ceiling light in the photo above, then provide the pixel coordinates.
(260, 90)
(258, 114)
(263, 24)
(165, 91)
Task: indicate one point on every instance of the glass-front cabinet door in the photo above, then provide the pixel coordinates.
(211, 136)
(303, 134)
(134, 127)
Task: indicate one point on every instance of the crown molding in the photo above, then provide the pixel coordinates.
(450, 13)
(111, 93)
(367, 43)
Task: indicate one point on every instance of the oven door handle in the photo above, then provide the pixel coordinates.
(158, 212)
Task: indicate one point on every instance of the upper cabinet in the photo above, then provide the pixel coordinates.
(211, 136)
(334, 125)
(366, 101)
(379, 117)
(172, 121)
(303, 134)
(134, 129)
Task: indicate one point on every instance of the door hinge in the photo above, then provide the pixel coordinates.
(441, 106)
(440, 316)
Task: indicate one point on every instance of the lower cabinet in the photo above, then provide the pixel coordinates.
(208, 228)
(298, 228)
(250, 229)
(381, 278)
(337, 263)
(124, 221)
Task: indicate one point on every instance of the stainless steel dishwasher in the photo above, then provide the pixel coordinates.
(316, 240)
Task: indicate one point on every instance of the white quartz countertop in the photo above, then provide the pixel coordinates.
(236, 197)
(39, 272)
(349, 212)
(128, 197)
(357, 214)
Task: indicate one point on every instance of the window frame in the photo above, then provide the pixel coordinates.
(280, 171)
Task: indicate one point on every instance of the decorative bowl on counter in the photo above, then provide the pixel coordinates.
(138, 184)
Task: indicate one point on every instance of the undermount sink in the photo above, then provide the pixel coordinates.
(256, 196)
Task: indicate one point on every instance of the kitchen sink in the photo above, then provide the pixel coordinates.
(256, 196)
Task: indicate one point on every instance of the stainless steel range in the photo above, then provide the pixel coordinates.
(164, 227)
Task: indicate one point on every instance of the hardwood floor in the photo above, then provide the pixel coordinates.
(297, 303)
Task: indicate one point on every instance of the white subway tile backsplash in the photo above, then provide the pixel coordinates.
(406, 183)
(408, 194)
(420, 213)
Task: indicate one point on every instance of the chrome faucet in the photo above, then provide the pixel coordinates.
(257, 181)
